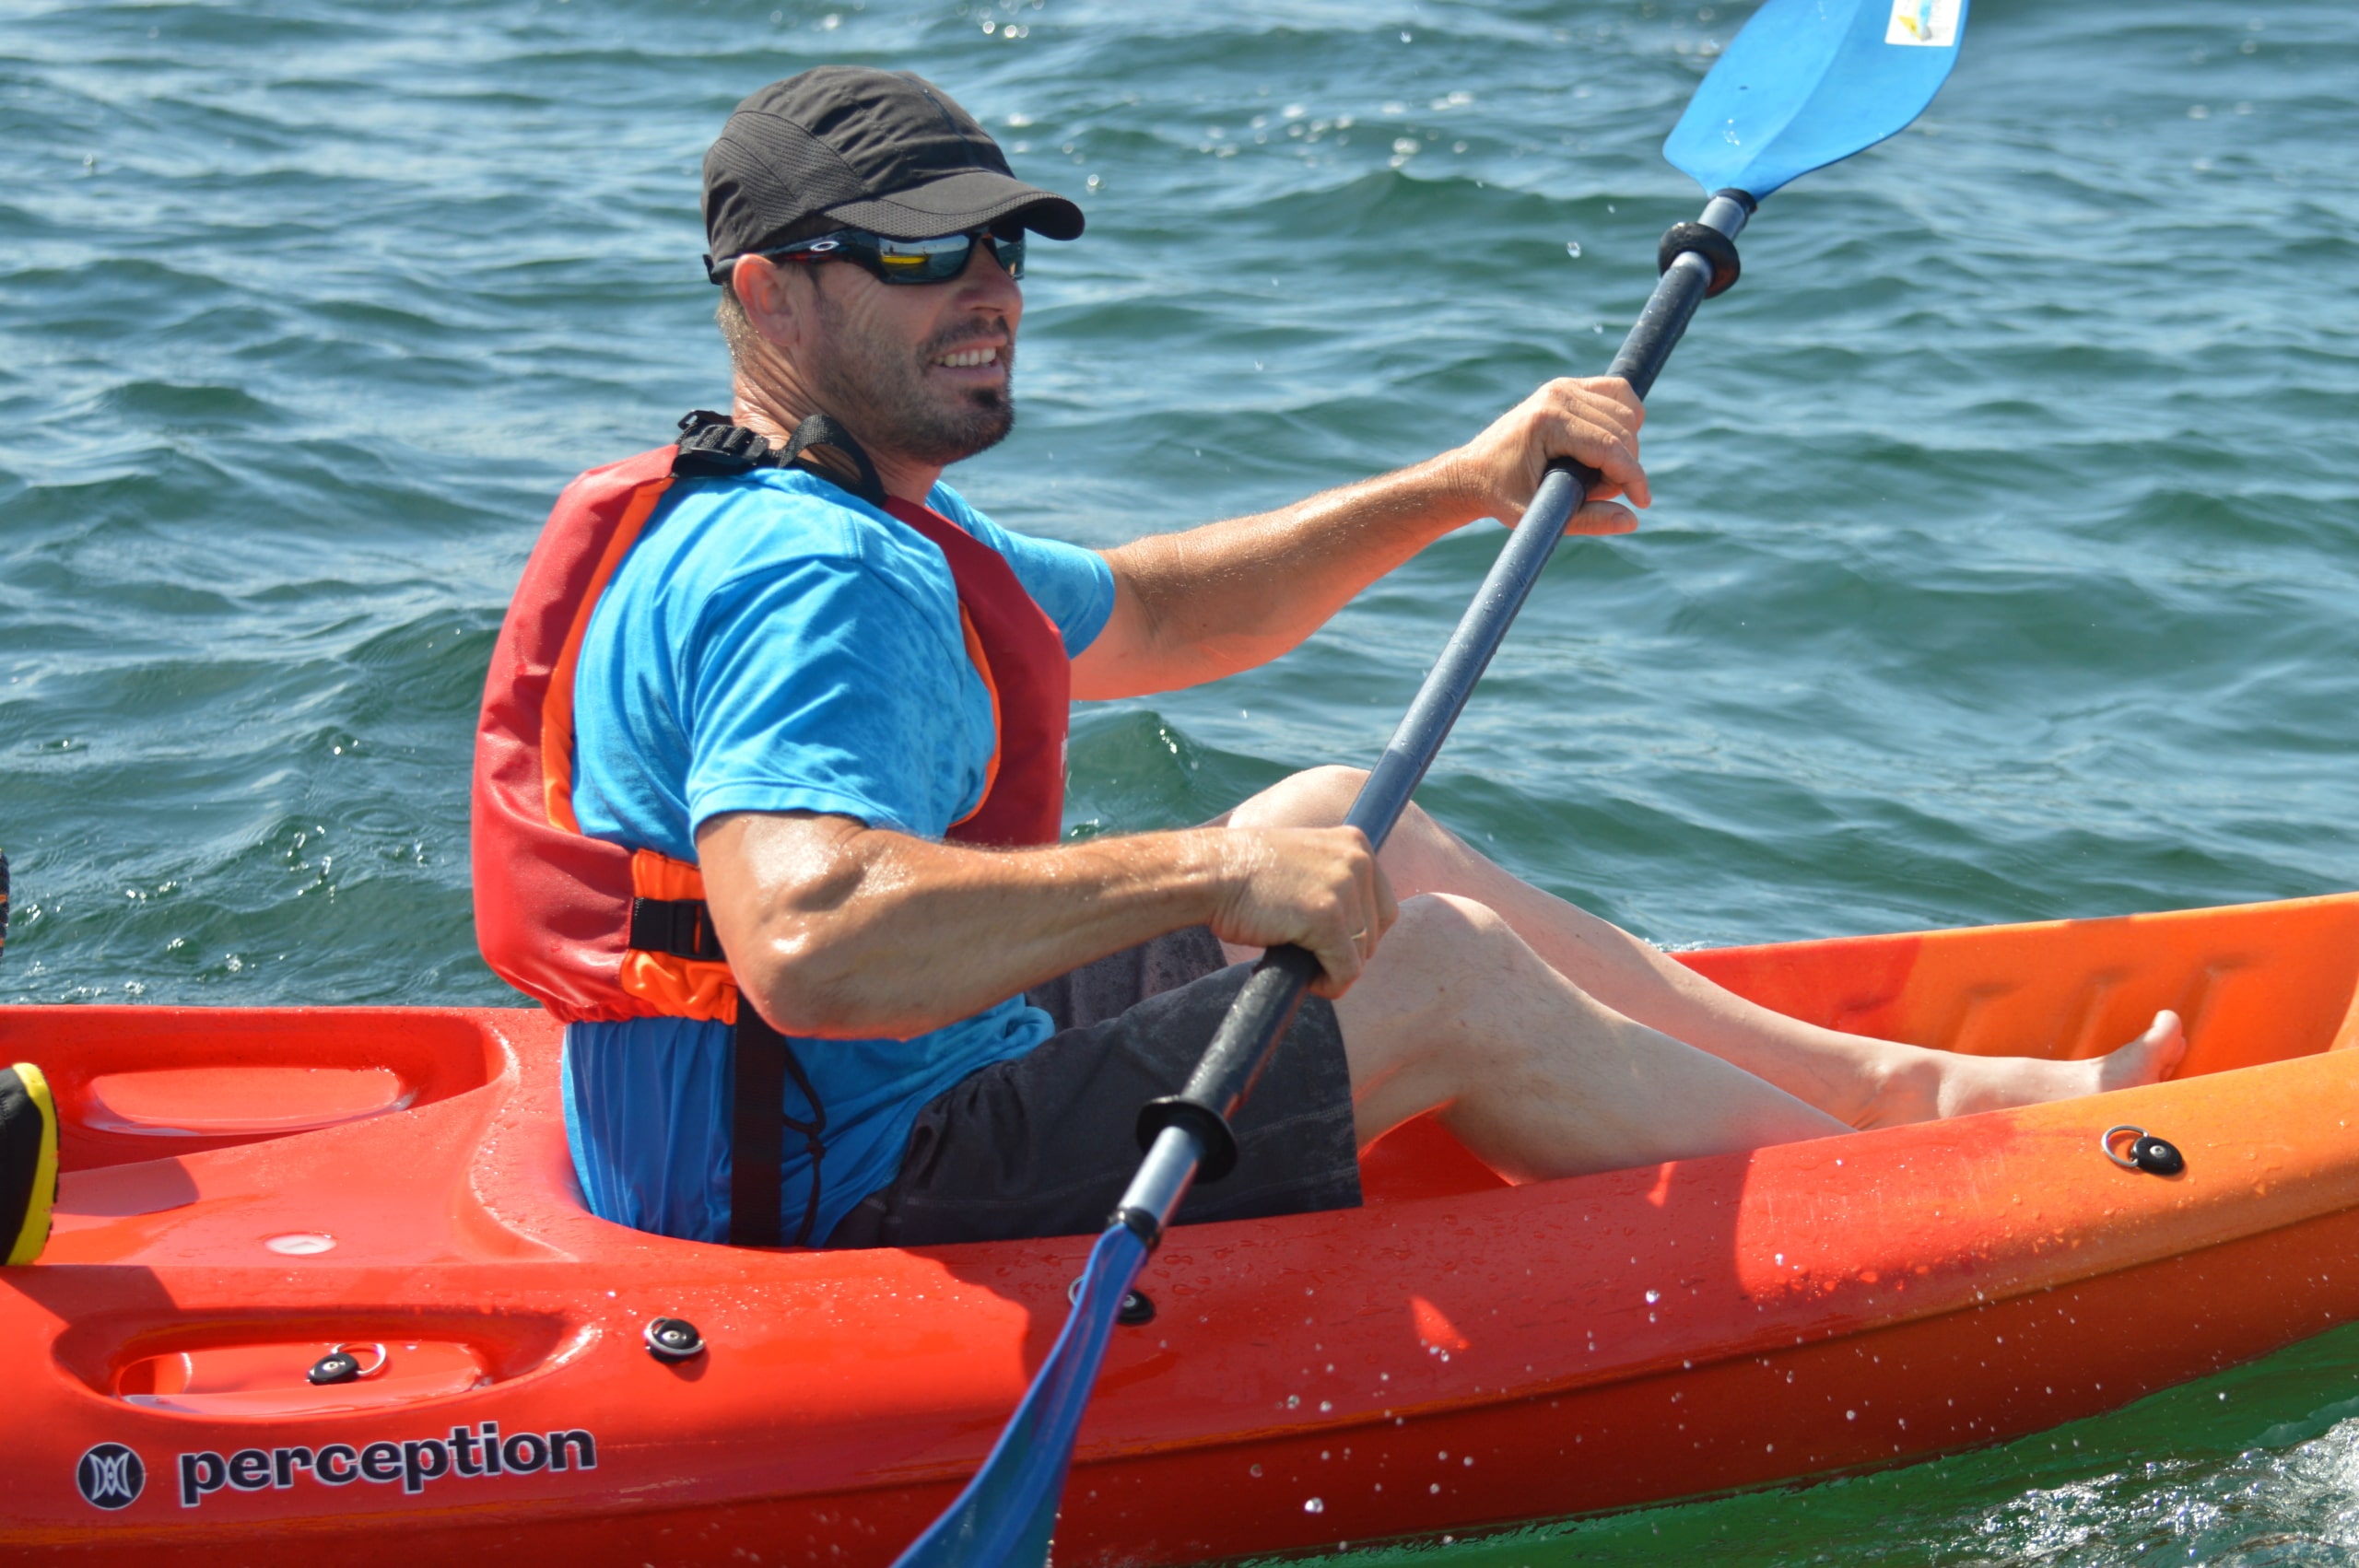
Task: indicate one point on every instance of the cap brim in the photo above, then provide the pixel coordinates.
(968, 199)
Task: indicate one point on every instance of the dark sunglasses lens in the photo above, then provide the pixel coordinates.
(934, 260)
(923, 261)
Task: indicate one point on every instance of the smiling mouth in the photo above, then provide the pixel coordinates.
(968, 358)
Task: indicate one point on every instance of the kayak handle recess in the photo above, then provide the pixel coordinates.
(1186, 1135)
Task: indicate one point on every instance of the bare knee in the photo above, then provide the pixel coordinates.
(1317, 797)
(1444, 1011)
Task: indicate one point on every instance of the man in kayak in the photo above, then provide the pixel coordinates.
(828, 697)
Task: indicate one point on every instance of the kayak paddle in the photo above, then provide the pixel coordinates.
(1806, 83)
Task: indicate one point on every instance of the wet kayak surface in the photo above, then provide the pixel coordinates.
(2001, 567)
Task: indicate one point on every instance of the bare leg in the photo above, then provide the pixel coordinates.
(1863, 1082)
(1457, 1015)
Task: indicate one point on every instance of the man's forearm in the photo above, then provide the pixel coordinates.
(1195, 606)
(1229, 596)
(856, 933)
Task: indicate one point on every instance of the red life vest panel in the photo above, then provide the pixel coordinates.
(600, 931)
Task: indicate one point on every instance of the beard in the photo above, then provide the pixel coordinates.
(878, 387)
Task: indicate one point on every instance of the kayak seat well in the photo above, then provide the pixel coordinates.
(2253, 985)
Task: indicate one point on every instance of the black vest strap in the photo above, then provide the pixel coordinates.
(758, 1125)
(761, 1059)
(827, 450)
(711, 444)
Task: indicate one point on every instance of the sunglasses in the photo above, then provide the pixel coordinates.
(897, 260)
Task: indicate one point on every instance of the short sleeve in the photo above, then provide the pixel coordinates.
(1074, 585)
(816, 684)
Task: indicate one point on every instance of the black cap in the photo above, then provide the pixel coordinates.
(846, 146)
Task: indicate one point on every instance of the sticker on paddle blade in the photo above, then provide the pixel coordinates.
(1927, 23)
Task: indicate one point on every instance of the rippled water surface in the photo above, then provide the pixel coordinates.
(2002, 566)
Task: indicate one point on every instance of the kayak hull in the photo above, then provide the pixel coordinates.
(247, 1189)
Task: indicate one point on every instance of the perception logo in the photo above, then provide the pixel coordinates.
(111, 1476)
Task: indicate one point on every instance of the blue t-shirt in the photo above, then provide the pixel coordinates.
(772, 643)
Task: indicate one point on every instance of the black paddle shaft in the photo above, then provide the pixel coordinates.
(1257, 1019)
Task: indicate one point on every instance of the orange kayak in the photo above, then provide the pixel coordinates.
(381, 1199)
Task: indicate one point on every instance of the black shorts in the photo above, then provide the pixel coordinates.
(1043, 1144)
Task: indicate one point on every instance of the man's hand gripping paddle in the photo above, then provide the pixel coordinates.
(1806, 83)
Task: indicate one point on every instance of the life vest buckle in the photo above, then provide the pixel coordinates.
(680, 927)
(710, 444)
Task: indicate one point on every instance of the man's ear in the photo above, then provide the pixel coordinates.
(776, 301)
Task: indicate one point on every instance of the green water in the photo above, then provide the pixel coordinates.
(2001, 567)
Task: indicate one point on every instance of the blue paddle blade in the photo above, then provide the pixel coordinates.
(1809, 82)
(1004, 1518)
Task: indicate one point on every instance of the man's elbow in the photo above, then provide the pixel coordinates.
(804, 984)
(802, 987)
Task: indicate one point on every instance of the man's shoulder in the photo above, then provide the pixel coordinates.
(949, 503)
(767, 517)
(719, 537)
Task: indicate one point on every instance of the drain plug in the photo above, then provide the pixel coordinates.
(674, 1339)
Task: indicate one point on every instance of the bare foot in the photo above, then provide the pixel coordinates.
(1932, 1085)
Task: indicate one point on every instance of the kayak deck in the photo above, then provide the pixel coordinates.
(246, 1189)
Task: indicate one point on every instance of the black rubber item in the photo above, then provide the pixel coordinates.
(1707, 242)
(2156, 1157)
(1211, 1129)
(673, 1339)
(336, 1366)
(1140, 1224)
(1136, 1311)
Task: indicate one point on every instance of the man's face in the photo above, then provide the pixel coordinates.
(920, 370)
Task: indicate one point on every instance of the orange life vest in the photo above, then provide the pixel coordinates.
(600, 931)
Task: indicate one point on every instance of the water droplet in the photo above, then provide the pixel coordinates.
(1653, 1296)
(1314, 1505)
(1293, 1401)
(1573, 249)
(1256, 1470)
